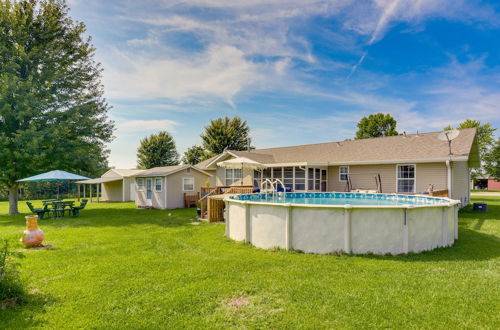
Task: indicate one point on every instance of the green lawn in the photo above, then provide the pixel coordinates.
(118, 267)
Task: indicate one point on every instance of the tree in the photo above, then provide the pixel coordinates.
(484, 134)
(226, 133)
(485, 141)
(194, 155)
(157, 150)
(52, 111)
(492, 161)
(376, 125)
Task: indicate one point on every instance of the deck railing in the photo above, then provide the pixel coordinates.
(212, 208)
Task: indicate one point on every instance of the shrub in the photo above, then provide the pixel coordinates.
(10, 285)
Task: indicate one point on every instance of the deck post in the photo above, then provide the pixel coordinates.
(347, 228)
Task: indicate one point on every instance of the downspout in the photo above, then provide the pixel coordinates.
(448, 180)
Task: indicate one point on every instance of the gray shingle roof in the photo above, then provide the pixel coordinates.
(410, 147)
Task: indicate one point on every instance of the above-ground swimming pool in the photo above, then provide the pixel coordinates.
(342, 222)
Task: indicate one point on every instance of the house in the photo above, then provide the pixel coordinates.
(487, 183)
(406, 163)
(164, 187)
(116, 185)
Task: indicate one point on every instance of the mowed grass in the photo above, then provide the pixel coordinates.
(118, 267)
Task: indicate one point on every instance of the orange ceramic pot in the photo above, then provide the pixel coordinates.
(32, 236)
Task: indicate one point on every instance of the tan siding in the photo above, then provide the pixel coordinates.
(112, 191)
(157, 197)
(221, 177)
(460, 182)
(175, 193)
(110, 174)
(363, 177)
(431, 173)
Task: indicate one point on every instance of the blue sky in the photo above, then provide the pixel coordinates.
(298, 71)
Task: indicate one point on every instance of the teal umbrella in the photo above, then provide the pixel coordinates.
(55, 176)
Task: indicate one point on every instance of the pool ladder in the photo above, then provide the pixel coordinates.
(269, 186)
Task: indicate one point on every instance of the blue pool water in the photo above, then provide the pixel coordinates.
(342, 199)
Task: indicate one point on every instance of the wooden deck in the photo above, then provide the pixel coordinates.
(212, 200)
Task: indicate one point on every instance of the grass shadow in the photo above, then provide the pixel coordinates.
(109, 216)
(24, 314)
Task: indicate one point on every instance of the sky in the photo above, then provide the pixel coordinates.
(297, 71)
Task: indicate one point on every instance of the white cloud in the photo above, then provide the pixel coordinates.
(220, 71)
(146, 125)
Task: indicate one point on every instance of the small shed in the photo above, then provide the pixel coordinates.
(116, 185)
(167, 187)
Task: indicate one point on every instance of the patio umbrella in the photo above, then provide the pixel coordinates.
(242, 163)
(54, 176)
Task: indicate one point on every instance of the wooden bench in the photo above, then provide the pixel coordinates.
(190, 199)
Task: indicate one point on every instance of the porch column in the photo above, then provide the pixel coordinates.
(98, 191)
(78, 193)
(91, 192)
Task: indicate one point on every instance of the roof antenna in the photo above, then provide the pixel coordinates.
(449, 136)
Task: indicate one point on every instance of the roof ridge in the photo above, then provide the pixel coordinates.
(353, 140)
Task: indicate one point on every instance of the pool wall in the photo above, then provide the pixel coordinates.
(325, 229)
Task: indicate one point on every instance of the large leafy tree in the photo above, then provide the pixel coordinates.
(485, 140)
(226, 133)
(492, 161)
(52, 111)
(157, 150)
(194, 155)
(376, 125)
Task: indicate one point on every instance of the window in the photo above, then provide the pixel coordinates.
(140, 183)
(310, 177)
(188, 184)
(343, 173)
(300, 179)
(158, 184)
(233, 176)
(288, 177)
(406, 178)
(256, 178)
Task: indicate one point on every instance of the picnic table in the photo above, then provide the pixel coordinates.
(57, 208)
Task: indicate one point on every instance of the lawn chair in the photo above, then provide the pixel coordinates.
(39, 212)
(76, 209)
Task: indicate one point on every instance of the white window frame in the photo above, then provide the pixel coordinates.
(414, 179)
(340, 173)
(232, 178)
(140, 184)
(184, 183)
(161, 184)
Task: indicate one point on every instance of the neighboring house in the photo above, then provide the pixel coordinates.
(487, 183)
(164, 187)
(116, 185)
(405, 164)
